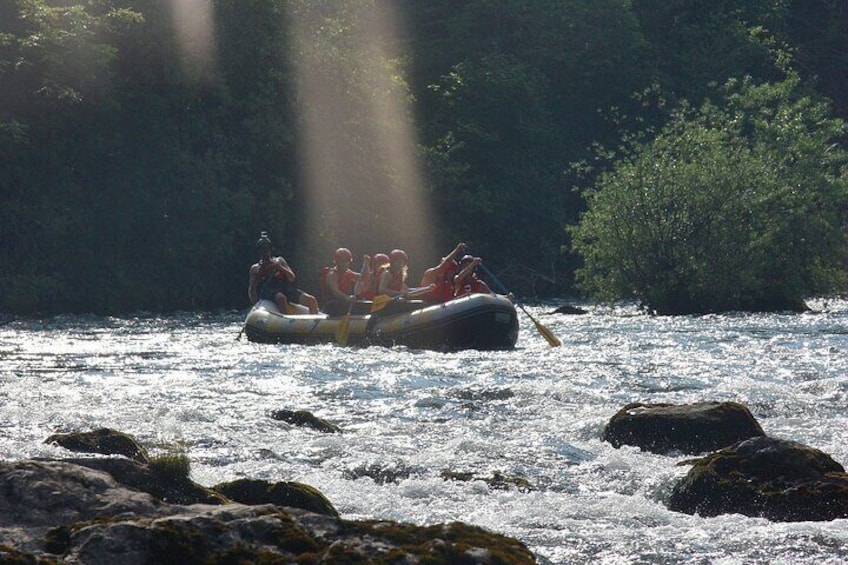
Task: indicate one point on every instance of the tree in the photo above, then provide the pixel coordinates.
(736, 206)
(508, 96)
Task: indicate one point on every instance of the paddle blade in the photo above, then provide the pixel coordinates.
(379, 302)
(343, 331)
(547, 334)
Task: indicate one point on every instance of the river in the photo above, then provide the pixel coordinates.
(408, 416)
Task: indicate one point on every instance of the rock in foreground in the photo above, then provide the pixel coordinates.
(61, 511)
(687, 428)
(766, 477)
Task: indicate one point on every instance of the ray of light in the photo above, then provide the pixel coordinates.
(194, 28)
(361, 175)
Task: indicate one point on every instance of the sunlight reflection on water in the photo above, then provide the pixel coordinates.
(408, 416)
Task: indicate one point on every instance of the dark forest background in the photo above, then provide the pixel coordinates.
(133, 177)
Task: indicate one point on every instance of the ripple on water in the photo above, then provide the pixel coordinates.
(408, 416)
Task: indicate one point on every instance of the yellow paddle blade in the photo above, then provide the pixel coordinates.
(548, 334)
(379, 302)
(343, 330)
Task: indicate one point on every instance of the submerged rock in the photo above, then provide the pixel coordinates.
(305, 419)
(776, 479)
(104, 441)
(62, 511)
(688, 428)
(498, 481)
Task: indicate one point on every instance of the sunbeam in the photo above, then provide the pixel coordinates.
(363, 182)
(194, 29)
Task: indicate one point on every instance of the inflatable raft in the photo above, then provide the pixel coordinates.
(476, 321)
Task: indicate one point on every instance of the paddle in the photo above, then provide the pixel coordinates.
(343, 331)
(546, 333)
(382, 300)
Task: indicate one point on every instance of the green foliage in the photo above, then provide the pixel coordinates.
(734, 206)
(131, 180)
(172, 464)
(511, 102)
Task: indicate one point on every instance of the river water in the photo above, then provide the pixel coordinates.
(408, 416)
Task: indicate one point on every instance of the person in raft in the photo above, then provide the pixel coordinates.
(466, 281)
(442, 275)
(379, 263)
(271, 278)
(393, 280)
(341, 282)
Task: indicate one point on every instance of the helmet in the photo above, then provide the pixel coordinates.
(466, 259)
(380, 259)
(398, 255)
(342, 255)
(263, 241)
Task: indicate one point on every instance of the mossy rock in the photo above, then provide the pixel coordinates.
(304, 418)
(104, 441)
(167, 487)
(765, 477)
(454, 543)
(687, 428)
(295, 495)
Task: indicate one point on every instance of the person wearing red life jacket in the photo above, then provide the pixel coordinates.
(379, 263)
(341, 282)
(272, 278)
(393, 280)
(442, 276)
(467, 281)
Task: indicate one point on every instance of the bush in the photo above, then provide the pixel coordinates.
(732, 207)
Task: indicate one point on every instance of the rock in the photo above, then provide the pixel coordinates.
(60, 511)
(295, 495)
(776, 479)
(498, 481)
(305, 419)
(570, 310)
(104, 441)
(164, 486)
(690, 428)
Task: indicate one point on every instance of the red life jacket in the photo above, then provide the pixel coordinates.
(269, 269)
(444, 290)
(472, 285)
(346, 282)
(371, 291)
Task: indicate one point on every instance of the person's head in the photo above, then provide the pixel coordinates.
(379, 261)
(398, 261)
(465, 261)
(263, 245)
(398, 258)
(342, 257)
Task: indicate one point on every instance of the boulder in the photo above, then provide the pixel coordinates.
(291, 494)
(165, 486)
(104, 441)
(61, 511)
(687, 428)
(766, 477)
(306, 419)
